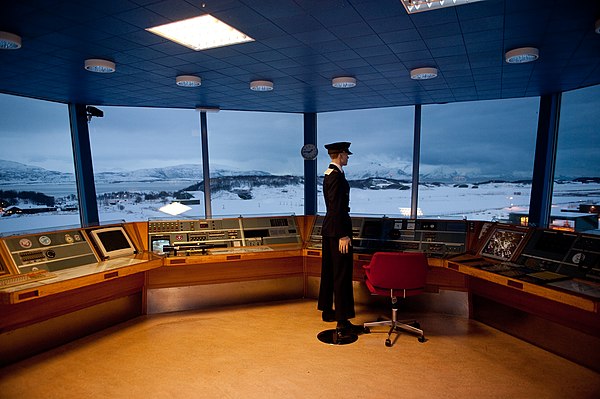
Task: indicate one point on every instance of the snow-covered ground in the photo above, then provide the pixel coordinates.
(491, 201)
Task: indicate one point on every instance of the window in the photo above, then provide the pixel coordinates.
(145, 159)
(37, 181)
(576, 175)
(477, 159)
(255, 163)
(380, 168)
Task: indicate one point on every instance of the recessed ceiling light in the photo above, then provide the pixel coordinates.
(188, 81)
(261, 85)
(9, 41)
(522, 55)
(423, 73)
(413, 6)
(343, 82)
(201, 33)
(100, 66)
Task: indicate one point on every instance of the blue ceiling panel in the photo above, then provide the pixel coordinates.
(300, 46)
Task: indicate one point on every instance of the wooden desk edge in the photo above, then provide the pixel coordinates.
(52, 286)
(556, 295)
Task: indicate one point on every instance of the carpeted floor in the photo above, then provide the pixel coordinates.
(271, 351)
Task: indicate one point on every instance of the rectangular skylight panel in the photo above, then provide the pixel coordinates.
(414, 6)
(201, 33)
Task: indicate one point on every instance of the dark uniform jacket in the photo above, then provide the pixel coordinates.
(337, 222)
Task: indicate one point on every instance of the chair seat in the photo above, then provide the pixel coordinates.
(396, 274)
(394, 292)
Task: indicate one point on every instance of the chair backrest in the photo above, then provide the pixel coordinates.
(398, 270)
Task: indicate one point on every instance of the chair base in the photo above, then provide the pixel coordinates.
(396, 326)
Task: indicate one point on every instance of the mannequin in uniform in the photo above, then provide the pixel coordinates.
(336, 298)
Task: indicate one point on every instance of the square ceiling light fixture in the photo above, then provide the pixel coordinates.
(201, 33)
(174, 208)
(414, 6)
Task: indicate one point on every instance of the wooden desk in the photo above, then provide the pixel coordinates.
(558, 321)
(585, 303)
(81, 276)
(223, 266)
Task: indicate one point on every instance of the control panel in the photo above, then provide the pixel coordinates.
(50, 251)
(187, 237)
(270, 231)
(566, 253)
(562, 259)
(436, 238)
(314, 241)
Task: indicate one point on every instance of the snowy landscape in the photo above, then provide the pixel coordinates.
(377, 190)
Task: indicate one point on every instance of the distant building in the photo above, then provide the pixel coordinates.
(561, 220)
(589, 208)
(188, 201)
(15, 210)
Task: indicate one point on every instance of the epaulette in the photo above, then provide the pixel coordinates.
(328, 171)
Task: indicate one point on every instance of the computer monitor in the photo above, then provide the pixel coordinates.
(549, 244)
(502, 243)
(112, 242)
(372, 229)
(157, 243)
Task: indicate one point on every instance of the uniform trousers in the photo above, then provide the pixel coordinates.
(336, 280)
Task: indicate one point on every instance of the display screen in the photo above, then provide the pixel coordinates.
(456, 226)
(588, 244)
(112, 242)
(158, 243)
(549, 244)
(502, 244)
(372, 229)
(256, 233)
(584, 260)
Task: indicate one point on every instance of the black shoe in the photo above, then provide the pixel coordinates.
(328, 315)
(345, 327)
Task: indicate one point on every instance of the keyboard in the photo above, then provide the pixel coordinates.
(238, 250)
(10, 281)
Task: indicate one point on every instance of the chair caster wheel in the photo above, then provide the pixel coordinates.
(388, 342)
(422, 339)
(367, 330)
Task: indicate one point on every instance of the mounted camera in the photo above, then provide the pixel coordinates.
(93, 111)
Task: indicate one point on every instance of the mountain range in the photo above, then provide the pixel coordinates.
(18, 173)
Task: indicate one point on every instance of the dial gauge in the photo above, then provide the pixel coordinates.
(45, 240)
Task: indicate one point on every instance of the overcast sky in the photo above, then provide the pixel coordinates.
(486, 136)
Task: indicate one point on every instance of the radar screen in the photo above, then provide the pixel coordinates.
(502, 244)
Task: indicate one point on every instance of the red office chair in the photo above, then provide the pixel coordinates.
(396, 274)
